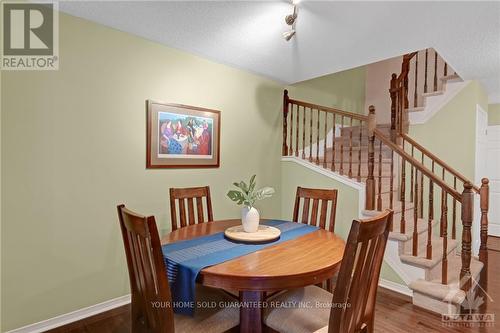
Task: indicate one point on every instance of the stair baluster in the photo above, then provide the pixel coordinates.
(415, 217)
(484, 195)
(350, 150)
(431, 216)
(290, 149)
(416, 80)
(324, 140)
(317, 139)
(444, 218)
(311, 135)
(304, 132)
(333, 144)
(284, 149)
(454, 213)
(297, 134)
(421, 207)
(379, 198)
(391, 183)
(425, 71)
(435, 71)
(370, 181)
(341, 170)
(467, 216)
(359, 150)
(412, 184)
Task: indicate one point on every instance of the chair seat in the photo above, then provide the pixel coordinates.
(303, 310)
(209, 319)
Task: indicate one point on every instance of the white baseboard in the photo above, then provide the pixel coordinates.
(70, 317)
(399, 288)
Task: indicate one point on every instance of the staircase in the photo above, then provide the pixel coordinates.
(430, 240)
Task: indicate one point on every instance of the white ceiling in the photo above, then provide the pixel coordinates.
(331, 36)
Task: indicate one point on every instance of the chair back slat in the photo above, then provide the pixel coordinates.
(359, 274)
(147, 273)
(191, 216)
(310, 214)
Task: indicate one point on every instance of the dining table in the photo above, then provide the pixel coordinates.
(306, 260)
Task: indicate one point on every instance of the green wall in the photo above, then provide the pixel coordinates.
(293, 175)
(73, 147)
(451, 133)
(494, 114)
(343, 90)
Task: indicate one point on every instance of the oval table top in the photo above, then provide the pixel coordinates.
(306, 260)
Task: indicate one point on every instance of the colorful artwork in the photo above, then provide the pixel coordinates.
(182, 136)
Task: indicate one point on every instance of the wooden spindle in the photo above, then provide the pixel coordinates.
(467, 216)
(412, 184)
(317, 140)
(297, 134)
(425, 73)
(333, 144)
(284, 149)
(370, 181)
(431, 217)
(403, 190)
(350, 150)
(311, 136)
(454, 212)
(304, 133)
(379, 198)
(325, 139)
(394, 102)
(421, 201)
(415, 218)
(341, 170)
(359, 150)
(435, 71)
(442, 220)
(416, 82)
(484, 194)
(391, 183)
(290, 144)
(444, 217)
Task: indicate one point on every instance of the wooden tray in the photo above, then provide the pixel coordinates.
(263, 234)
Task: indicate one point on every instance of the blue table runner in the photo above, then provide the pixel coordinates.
(185, 259)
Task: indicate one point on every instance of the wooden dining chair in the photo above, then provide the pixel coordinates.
(354, 297)
(151, 298)
(192, 194)
(309, 215)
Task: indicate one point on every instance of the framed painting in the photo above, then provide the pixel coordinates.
(182, 136)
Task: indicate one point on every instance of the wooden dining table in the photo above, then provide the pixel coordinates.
(306, 260)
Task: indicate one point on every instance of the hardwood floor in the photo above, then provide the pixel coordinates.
(394, 312)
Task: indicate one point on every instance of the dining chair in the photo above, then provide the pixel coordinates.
(351, 308)
(151, 298)
(309, 215)
(192, 194)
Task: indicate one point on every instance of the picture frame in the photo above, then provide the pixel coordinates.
(181, 136)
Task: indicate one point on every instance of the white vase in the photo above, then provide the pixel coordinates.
(250, 219)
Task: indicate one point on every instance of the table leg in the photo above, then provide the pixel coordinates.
(251, 311)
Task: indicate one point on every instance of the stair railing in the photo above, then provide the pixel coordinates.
(310, 131)
(351, 144)
(408, 86)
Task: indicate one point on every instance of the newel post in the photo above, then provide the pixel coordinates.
(284, 150)
(370, 181)
(484, 194)
(394, 95)
(467, 215)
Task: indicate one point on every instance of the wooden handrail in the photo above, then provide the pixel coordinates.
(438, 161)
(419, 166)
(329, 110)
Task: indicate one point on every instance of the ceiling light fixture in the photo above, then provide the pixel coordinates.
(290, 20)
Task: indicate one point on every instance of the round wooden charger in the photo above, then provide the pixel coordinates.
(263, 234)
